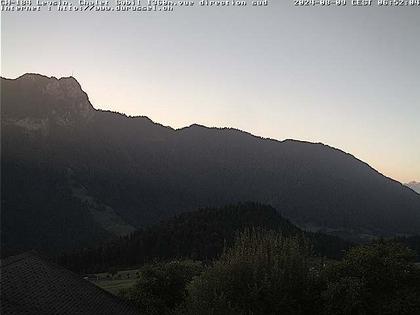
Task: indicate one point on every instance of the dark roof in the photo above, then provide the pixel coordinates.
(30, 284)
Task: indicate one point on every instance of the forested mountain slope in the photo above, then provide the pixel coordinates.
(73, 175)
(199, 235)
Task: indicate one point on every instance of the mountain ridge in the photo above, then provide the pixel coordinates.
(192, 126)
(414, 185)
(143, 172)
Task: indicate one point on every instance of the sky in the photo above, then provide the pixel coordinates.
(348, 77)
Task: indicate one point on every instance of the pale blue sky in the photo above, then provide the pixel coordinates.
(347, 77)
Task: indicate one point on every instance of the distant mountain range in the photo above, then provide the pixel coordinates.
(74, 176)
(414, 186)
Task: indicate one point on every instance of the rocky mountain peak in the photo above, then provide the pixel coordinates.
(34, 97)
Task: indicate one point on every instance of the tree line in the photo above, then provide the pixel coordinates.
(265, 272)
(199, 235)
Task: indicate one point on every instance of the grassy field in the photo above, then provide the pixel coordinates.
(114, 283)
(114, 286)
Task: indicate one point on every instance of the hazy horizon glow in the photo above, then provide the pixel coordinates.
(346, 77)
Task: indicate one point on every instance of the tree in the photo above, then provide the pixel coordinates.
(379, 278)
(263, 273)
(162, 286)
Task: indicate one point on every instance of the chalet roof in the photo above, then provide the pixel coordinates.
(30, 284)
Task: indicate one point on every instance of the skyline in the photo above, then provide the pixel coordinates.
(209, 126)
(345, 77)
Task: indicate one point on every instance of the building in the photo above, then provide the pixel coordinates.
(30, 284)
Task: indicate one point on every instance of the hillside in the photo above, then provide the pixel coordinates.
(74, 176)
(199, 235)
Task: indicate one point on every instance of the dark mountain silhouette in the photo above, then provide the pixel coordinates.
(73, 175)
(414, 186)
(198, 235)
